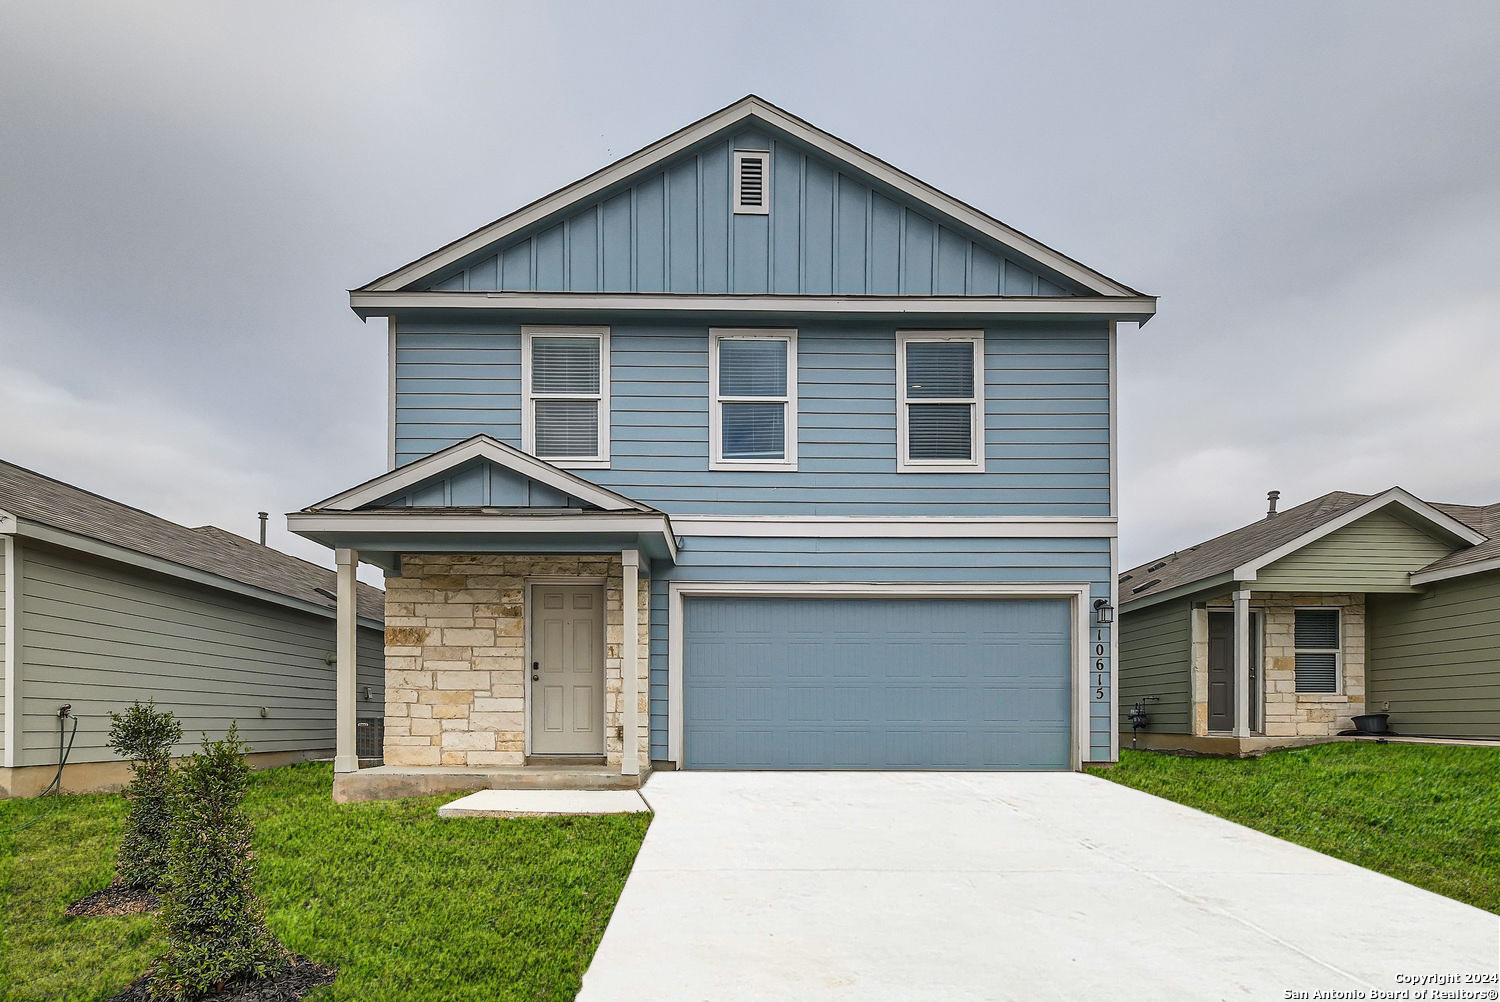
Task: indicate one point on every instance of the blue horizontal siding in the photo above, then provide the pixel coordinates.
(671, 229)
(803, 559)
(1046, 419)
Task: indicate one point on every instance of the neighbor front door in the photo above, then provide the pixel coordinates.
(1221, 671)
(567, 670)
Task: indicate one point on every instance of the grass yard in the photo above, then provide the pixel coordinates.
(407, 906)
(1425, 814)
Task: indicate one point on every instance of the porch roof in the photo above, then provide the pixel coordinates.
(381, 535)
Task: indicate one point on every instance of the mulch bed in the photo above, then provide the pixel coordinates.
(115, 900)
(299, 977)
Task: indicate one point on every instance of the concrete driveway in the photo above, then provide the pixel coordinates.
(944, 886)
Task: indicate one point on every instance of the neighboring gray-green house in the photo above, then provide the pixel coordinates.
(102, 604)
(1283, 630)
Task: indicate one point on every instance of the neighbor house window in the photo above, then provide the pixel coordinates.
(753, 382)
(940, 401)
(1318, 650)
(565, 398)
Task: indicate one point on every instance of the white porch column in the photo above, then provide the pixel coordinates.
(630, 756)
(1241, 664)
(346, 639)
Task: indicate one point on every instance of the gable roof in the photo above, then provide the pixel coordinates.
(1471, 560)
(750, 109)
(43, 500)
(1239, 554)
(478, 447)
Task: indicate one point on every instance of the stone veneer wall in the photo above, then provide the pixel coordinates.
(1289, 713)
(455, 657)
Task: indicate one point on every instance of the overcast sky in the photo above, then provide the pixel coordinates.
(1313, 189)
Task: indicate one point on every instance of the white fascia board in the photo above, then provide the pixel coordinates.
(1462, 570)
(304, 523)
(1396, 495)
(908, 527)
(689, 136)
(7, 523)
(381, 303)
(478, 447)
(122, 555)
(1078, 592)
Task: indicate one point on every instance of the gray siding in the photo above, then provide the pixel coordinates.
(829, 232)
(1436, 658)
(1156, 659)
(99, 635)
(977, 561)
(1046, 418)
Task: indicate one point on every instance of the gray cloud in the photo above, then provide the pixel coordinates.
(186, 190)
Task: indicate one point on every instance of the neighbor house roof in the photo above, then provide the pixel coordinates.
(1476, 528)
(41, 500)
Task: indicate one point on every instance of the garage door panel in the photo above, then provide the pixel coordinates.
(852, 683)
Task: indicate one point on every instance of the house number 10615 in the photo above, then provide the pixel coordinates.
(1101, 667)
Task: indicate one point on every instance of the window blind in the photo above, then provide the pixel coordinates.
(752, 368)
(1316, 640)
(754, 431)
(567, 427)
(564, 365)
(939, 431)
(939, 369)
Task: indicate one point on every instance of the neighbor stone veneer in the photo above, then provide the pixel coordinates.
(455, 657)
(1289, 713)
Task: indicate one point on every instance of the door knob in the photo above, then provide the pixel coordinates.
(536, 666)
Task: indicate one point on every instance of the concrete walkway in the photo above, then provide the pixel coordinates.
(944, 886)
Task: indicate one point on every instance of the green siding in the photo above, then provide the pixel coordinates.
(1156, 659)
(1375, 554)
(1436, 658)
(99, 635)
(4, 543)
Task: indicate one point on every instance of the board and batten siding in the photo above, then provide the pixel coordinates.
(1375, 554)
(1435, 658)
(1156, 659)
(1046, 418)
(100, 635)
(901, 560)
(828, 232)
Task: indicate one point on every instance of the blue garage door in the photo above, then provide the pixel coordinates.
(876, 683)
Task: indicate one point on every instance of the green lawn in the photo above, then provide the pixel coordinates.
(407, 906)
(1425, 814)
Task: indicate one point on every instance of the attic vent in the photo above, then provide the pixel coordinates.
(752, 182)
(1149, 584)
(1156, 566)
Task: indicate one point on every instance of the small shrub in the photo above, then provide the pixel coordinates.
(145, 735)
(215, 924)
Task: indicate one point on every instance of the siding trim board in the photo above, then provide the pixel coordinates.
(11, 597)
(678, 591)
(750, 112)
(748, 307)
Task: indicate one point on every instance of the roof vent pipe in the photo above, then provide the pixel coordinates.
(1271, 498)
(263, 516)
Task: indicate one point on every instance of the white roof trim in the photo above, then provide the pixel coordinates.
(1397, 496)
(478, 447)
(1129, 308)
(438, 523)
(692, 134)
(1462, 570)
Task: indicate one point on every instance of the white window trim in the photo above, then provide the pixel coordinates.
(764, 209)
(716, 401)
(905, 464)
(598, 461)
(678, 591)
(1338, 652)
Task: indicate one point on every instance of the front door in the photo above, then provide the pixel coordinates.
(1221, 671)
(567, 670)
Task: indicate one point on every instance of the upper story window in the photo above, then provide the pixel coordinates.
(1318, 649)
(940, 401)
(753, 410)
(565, 394)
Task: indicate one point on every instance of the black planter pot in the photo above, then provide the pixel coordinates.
(1372, 723)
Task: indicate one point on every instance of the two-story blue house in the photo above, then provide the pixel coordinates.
(748, 451)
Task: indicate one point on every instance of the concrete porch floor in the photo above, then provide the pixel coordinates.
(388, 782)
